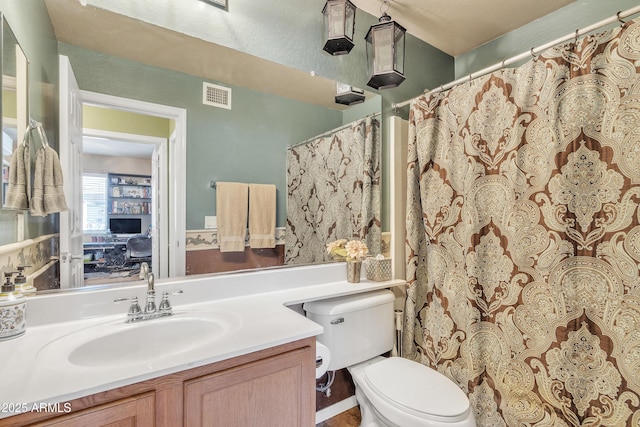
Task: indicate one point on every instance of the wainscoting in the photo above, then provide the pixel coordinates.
(204, 256)
(214, 261)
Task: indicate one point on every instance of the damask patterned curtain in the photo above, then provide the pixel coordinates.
(333, 191)
(524, 236)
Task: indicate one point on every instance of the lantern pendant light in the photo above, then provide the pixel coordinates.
(385, 53)
(339, 25)
(348, 95)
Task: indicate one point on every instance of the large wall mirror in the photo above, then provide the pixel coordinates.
(14, 100)
(247, 143)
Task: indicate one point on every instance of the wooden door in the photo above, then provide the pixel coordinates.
(275, 392)
(135, 411)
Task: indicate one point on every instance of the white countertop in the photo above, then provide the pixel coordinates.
(256, 302)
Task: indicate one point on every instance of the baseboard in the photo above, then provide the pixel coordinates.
(335, 409)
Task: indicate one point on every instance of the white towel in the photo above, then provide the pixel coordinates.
(18, 188)
(231, 209)
(262, 216)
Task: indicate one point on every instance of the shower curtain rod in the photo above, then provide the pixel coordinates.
(532, 52)
(329, 132)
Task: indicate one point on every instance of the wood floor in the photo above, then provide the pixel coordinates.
(350, 418)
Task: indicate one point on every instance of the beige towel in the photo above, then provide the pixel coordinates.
(18, 191)
(54, 200)
(37, 198)
(48, 195)
(262, 215)
(231, 209)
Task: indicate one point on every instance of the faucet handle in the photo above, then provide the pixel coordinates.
(135, 312)
(165, 305)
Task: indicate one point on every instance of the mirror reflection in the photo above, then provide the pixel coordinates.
(10, 48)
(125, 191)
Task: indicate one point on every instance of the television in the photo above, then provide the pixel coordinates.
(125, 225)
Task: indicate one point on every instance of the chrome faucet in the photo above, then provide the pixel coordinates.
(135, 313)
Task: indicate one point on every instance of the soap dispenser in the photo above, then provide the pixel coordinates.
(13, 307)
(26, 289)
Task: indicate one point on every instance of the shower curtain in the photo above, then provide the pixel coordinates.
(523, 239)
(333, 191)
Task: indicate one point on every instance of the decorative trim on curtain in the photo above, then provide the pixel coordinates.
(333, 191)
(523, 236)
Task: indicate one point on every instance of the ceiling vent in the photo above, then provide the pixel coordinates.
(216, 96)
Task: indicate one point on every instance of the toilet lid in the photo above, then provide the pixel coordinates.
(418, 388)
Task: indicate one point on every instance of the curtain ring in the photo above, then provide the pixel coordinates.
(502, 64)
(441, 88)
(470, 78)
(575, 41)
(533, 54)
(620, 19)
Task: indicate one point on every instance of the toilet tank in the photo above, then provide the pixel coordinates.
(356, 327)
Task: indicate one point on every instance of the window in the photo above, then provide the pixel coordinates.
(94, 202)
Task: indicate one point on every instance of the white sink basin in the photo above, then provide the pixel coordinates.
(115, 344)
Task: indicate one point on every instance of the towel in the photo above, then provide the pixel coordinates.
(48, 195)
(262, 215)
(231, 207)
(17, 196)
(37, 197)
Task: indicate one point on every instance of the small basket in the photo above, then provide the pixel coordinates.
(378, 270)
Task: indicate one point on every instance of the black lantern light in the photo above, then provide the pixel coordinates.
(348, 95)
(385, 53)
(339, 24)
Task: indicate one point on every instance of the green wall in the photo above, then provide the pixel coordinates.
(30, 23)
(246, 144)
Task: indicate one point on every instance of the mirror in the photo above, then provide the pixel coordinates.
(14, 100)
(222, 145)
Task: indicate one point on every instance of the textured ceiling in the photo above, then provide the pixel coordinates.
(457, 26)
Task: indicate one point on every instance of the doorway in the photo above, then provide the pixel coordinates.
(169, 168)
(121, 178)
(171, 223)
(171, 227)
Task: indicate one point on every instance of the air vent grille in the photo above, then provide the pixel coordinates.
(216, 96)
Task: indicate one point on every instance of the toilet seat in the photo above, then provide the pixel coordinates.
(417, 389)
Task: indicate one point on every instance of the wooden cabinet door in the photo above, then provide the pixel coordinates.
(131, 412)
(275, 392)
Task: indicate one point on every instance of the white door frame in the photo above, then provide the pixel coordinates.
(176, 180)
(70, 133)
(160, 259)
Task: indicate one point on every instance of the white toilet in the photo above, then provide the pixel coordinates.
(391, 391)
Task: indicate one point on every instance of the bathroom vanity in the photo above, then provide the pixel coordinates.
(236, 352)
(280, 381)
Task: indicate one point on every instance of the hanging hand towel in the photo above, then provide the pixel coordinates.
(54, 200)
(262, 215)
(231, 207)
(37, 197)
(17, 196)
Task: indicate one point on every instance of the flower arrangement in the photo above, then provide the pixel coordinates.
(351, 250)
